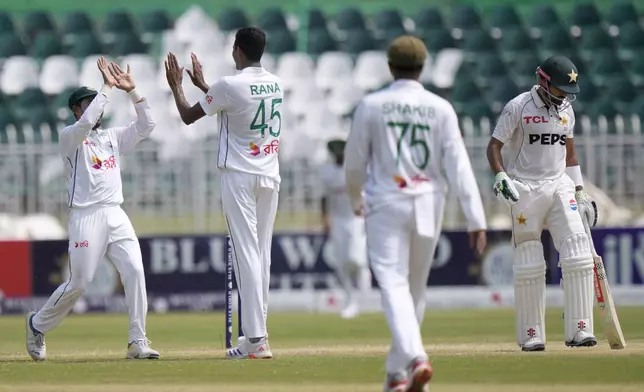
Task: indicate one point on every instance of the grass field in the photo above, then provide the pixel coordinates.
(470, 350)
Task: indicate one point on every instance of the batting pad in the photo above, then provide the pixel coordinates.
(577, 271)
(529, 291)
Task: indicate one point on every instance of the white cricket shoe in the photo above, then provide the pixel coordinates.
(533, 344)
(350, 311)
(140, 349)
(420, 373)
(35, 341)
(583, 339)
(248, 350)
(395, 382)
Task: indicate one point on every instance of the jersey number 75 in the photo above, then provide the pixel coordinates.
(411, 135)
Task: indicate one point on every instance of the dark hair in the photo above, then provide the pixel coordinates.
(251, 41)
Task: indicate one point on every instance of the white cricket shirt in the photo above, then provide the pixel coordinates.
(92, 157)
(250, 121)
(534, 137)
(334, 185)
(411, 142)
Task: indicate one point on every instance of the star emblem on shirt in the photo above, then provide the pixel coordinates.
(573, 76)
(522, 219)
(564, 120)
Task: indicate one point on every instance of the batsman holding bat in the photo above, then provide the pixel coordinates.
(542, 184)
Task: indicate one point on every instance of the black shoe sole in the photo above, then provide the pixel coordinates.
(588, 342)
(536, 347)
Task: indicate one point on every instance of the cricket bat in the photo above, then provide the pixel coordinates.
(612, 328)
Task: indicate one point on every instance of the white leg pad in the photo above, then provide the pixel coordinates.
(577, 271)
(529, 291)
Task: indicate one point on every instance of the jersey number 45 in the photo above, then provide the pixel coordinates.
(260, 123)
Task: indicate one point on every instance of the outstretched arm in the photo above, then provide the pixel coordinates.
(174, 74)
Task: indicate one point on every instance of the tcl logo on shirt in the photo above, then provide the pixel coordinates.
(535, 119)
(547, 139)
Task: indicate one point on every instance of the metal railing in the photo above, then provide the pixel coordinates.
(182, 195)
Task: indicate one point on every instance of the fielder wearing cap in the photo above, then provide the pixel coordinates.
(411, 142)
(542, 183)
(345, 230)
(98, 227)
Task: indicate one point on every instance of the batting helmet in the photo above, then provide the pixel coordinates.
(562, 74)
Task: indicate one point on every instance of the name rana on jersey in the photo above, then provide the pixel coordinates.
(264, 88)
(403, 109)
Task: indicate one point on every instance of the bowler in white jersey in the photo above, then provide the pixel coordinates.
(345, 231)
(248, 106)
(97, 224)
(539, 178)
(410, 141)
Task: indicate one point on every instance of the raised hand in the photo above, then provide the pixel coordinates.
(108, 79)
(196, 75)
(173, 72)
(124, 80)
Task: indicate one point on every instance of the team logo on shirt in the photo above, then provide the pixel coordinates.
(573, 204)
(270, 148)
(82, 244)
(97, 162)
(109, 163)
(564, 120)
(402, 183)
(208, 99)
(254, 149)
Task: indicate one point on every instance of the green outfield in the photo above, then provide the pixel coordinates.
(471, 351)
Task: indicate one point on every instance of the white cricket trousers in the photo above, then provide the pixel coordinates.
(250, 204)
(401, 260)
(95, 232)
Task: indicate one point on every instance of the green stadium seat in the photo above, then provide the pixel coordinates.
(603, 106)
(631, 41)
(587, 91)
(127, 43)
(477, 109)
(477, 42)
(232, 19)
(76, 23)
(6, 23)
(272, 19)
(543, 17)
(389, 19)
(637, 107)
(27, 101)
(155, 21)
(622, 93)
(605, 68)
(429, 18)
(501, 93)
(59, 108)
(40, 116)
(6, 119)
(489, 70)
(279, 42)
(316, 19)
(515, 43)
(350, 19)
(320, 41)
(465, 17)
(118, 21)
(359, 41)
(595, 39)
(637, 69)
(11, 45)
(36, 22)
(622, 13)
(584, 15)
(556, 40)
(437, 40)
(464, 90)
(86, 44)
(46, 44)
(389, 35)
(504, 16)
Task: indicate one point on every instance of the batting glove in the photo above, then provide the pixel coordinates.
(587, 207)
(505, 190)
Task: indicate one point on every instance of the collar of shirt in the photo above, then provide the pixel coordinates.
(254, 70)
(406, 83)
(537, 98)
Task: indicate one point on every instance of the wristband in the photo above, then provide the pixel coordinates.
(574, 172)
(135, 96)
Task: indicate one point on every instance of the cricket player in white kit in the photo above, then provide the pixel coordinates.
(345, 230)
(97, 224)
(408, 137)
(248, 106)
(539, 178)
